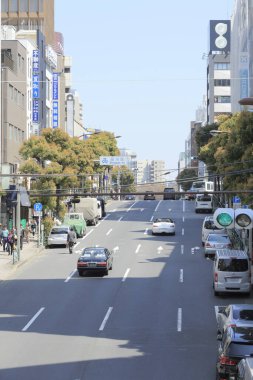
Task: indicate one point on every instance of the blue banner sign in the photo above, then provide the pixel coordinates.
(55, 100)
(35, 111)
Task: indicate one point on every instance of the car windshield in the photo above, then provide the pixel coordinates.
(218, 238)
(209, 225)
(163, 220)
(246, 315)
(233, 265)
(240, 349)
(59, 231)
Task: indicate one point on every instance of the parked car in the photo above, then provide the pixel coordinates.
(149, 195)
(208, 227)
(231, 272)
(95, 259)
(244, 369)
(214, 242)
(163, 226)
(236, 344)
(58, 236)
(233, 315)
(129, 197)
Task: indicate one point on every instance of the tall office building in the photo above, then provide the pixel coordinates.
(31, 15)
(218, 71)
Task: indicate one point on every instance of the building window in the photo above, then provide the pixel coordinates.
(41, 5)
(222, 66)
(13, 6)
(222, 99)
(221, 82)
(23, 6)
(15, 95)
(34, 6)
(4, 4)
(11, 90)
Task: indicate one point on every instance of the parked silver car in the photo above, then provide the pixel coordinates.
(214, 242)
(234, 315)
(58, 236)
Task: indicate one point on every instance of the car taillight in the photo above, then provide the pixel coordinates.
(215, 277)
(208, 245)
(102, 264)
(155, 225)
(225, 360)
(82, 264)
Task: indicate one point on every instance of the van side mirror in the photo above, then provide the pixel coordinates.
(219, 337)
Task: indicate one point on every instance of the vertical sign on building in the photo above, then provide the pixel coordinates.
(36, 85)
(55, 100)
(244, 75)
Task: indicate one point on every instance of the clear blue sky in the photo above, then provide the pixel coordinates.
(138, 67)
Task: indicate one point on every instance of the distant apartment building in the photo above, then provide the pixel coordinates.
(157, 171)
(241, 52)
(218, 70)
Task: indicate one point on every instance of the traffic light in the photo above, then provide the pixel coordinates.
(239, 218)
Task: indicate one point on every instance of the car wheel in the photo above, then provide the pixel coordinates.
(106, 272)
(216, 293)
(80, 272)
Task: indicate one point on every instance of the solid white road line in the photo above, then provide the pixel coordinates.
(71, 275)
(183, 205)
(77, 244)
(120, 218)
(151, 219)
(125, 275)
(138, 248)
(179, 319)
(182, 249)
(108, 233)
(98, 224)
(33, 319)
(88, 234)
(131, 206)
(157, 205)
(216, 308)
(101, 328)
(181, 276)
(146, 231)
(183, 219)
(182, 231)
(105, 217)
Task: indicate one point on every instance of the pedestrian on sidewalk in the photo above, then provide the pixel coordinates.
(11, 241)
(33, 226)
(26, 233)
(1, 229)
(5, 233)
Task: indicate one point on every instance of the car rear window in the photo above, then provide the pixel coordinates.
(218, 238)
(233, 265)
(246, 315)
(204, 198)
(59, 231)
(163, 220)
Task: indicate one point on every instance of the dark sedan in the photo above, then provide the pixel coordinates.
(95, 259)
(149, 196)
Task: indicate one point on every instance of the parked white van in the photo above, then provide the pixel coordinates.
(245, 369)
(231, 271)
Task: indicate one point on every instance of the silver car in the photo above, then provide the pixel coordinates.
(234, 315)
(58, 236)
(214, 242)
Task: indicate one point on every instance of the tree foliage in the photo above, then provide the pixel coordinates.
(186, 177)
(55, 152)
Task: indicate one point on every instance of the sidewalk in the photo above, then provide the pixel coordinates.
(29, 251)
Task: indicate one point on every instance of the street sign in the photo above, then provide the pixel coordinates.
(113, 160)
(37, 213)
(37, 207)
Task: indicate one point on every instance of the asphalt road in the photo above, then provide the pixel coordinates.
(151, 318)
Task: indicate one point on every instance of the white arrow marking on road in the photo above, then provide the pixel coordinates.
(138, 248)
(142, 209)
(182, 231)
(169, 209)
(181, 276)
(87, 234)
(101, 328)
(146, 231)
(120, 218)
(192, 251)
(182, 249)
(115, 248)
(197, 248)
(108, 233)
(71, 275)
(159, 249)
(125, 275)
(33, 319)
(179, 319)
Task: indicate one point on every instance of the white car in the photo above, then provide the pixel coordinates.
(163, 226)
(58, 236)
(234, 315)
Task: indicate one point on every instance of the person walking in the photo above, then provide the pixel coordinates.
(26, 233)
(33, 226)
(1, 229)
(71, 239)
(5, 233)
(11, 241)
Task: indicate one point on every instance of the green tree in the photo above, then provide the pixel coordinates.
(186, 177)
